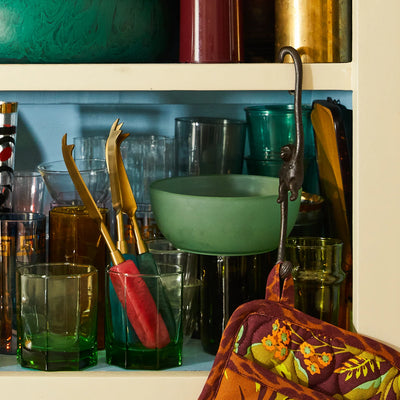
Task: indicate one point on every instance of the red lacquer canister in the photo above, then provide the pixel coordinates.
(210, 31)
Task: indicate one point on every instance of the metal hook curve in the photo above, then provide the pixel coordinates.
(291, 174)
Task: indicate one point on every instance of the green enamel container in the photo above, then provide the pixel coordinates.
(220, 214)
(88, 31)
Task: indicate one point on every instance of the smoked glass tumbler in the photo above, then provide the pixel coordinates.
(317, 274)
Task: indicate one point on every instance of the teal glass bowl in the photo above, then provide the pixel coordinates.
(88, 31)
(220, 214)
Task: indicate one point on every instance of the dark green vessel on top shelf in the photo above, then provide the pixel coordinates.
(88, 31)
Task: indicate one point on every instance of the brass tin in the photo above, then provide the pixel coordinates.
(320, 30)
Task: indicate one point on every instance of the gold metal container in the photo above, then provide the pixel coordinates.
(320, 30)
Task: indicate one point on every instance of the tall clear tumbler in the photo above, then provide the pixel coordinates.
(209, 145)
(146, 158)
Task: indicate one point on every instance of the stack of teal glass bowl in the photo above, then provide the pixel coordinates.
(269, 128)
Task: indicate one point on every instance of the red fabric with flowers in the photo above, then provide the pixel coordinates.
(269, 350)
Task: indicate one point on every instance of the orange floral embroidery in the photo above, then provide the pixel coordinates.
(269, 342)
(312, 366)
(325, 359)
(307, 350)
(281, 351)
(284, 335)
(275, 326)
(278, 341)
(313, 360)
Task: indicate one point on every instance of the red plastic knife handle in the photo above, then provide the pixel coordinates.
(139, 304)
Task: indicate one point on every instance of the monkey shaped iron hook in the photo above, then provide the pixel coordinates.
(291, 174)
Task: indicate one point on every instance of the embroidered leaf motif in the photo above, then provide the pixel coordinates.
(301, 372)
(282, 370)
(359, 365)
(238, 337)
(372, 365)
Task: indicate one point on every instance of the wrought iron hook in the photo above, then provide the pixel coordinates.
(291, 174)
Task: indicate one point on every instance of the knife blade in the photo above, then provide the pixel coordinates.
(88, 200)
(112, 168)
(128, 202)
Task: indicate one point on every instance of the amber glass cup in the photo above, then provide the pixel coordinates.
(75, 238)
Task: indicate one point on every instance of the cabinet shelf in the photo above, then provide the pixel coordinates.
(105, 382)
(168, 77)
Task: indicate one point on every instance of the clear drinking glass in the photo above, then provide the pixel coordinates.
(28, 192)
(165, 253)
(206, 145)
(147, 158)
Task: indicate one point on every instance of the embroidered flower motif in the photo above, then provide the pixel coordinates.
(312, 366)
(284, 335)
(313, 360)
(275, 326)
(269, 342)
(307, 350)
(281, 351)
(277, 342)
(325, 359)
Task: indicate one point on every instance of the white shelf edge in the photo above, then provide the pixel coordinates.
(168, 77)
(184, 385)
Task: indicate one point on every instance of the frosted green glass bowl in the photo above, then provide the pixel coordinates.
(220, 214)
(86, 31)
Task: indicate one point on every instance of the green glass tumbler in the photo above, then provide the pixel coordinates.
(123, 346)
(57, 316)
(269, 128)
(317, 274)
(272, 126)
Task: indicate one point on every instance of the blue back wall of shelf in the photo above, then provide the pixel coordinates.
(44, 117)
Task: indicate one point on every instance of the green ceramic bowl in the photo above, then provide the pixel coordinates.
(220, 214)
